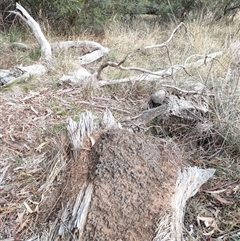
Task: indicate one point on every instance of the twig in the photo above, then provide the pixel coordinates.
(157, 73)
(163, 73)
(169, 39)
(228, 233)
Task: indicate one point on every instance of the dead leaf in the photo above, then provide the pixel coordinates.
(235, 189)
(92, 141)
(40, 147)
(22, 226)
(28, 207)
(208, 221)
(216, 191)
(3, 171)
(221, 199)
(20, 217)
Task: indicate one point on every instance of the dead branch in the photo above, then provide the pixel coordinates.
(169, 39)
(181, 90)
(20, 73)
(187, 185)
(162, 74)
(94, 50)
(45, 46)
(20, 46)
(119, 65)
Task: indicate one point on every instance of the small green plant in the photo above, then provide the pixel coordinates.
(35, 54)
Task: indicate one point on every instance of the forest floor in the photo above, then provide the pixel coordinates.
(34, 112)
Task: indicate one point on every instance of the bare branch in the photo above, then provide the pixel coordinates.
(169, 39)
(119, 65)
(162, 74)
(181, 90)
(45, 46)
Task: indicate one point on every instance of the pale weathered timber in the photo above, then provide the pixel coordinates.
(45, 46)
(20, 73)
(161, 75)
(94, 52)
(187, 108)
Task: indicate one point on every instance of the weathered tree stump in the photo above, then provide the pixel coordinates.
(122, 185)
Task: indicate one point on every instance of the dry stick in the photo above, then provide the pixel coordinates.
(119, 65)
(169, 39)
(112, 64)
(181, 90)
(151, 114)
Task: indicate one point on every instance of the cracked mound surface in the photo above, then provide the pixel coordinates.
(133, 177)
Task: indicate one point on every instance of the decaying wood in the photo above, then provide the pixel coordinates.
(119, 65)
(187, 185)
(87, 46)
(77, 131)
(182, 182)
(78, 77)
(20, 73)
(172, 105)
(108, 121)
(20, 46)
(149, 75)
(94, 51)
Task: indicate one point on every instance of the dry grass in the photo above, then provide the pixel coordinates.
(33, 118)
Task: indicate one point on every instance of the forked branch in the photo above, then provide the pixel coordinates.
(119, 65)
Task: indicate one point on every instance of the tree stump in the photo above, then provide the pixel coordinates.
(122, 185)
